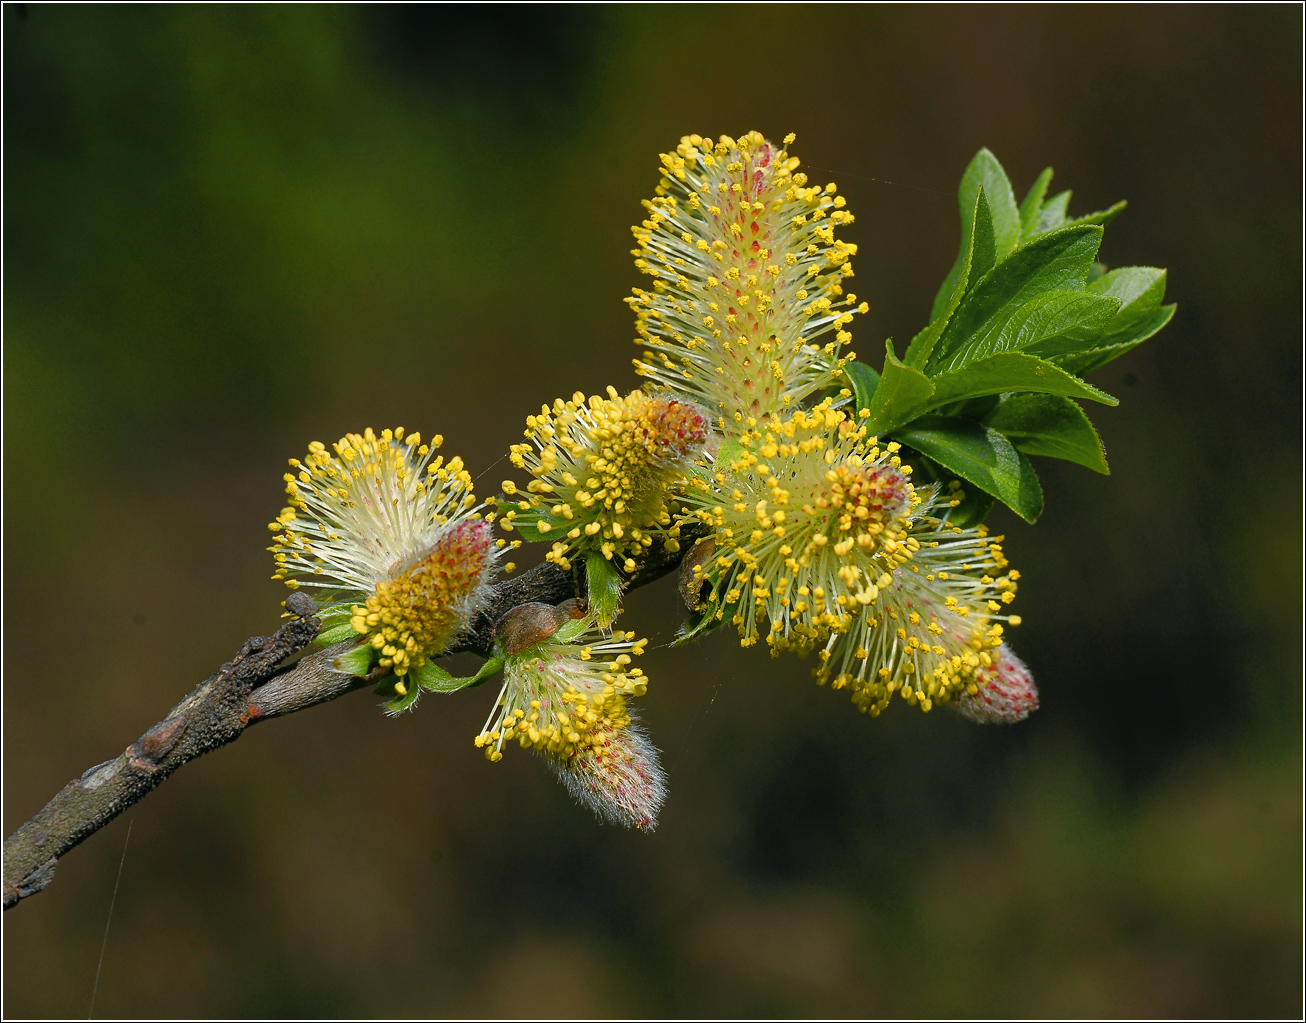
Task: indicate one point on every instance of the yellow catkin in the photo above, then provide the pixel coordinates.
(602, 470)
(747, 276)
(383, 524)
(930, 635)
(559, 697)
(809, 519)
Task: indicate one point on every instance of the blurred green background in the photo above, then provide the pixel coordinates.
(230, 230)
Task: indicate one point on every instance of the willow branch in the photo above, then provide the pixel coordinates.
(253, 686)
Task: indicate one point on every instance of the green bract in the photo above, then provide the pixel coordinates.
(1025, 310)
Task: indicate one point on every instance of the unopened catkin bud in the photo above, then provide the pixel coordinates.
(1004, 692)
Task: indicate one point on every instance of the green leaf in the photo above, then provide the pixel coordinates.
(400, 703)
(710, 617)
(864, 380)
(729, 451)
(1139, 289)
(1045, 424)
(1053, 323)
(902, 393)
(1102, 217)
(531, 533)
(701, 623)
(987, 174)
(1135, 287)
(1119, 340)
(1053, 214)
(604, 588)
(983, 172)
(1058, 261)
(918, 352)
(1033, 202)
(335, 619)
(434, 679)
(980, 455)
(334, 614)
(357, 661)
(570, 630)
(972, 504)
(984, 251)
(1010, 371)
(335, 634)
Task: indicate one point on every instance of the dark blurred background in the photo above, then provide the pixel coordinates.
(230, 230)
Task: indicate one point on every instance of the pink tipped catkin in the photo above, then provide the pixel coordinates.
(1007, 693)
(618, 777)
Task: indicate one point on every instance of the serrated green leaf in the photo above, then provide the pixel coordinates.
(983, 172)
(1102, 217)
(1135, 287)
(1057, 261)
(435, 679)
(985, 250)
(705, 618)
(335, 619)
(701, 623)
(1033, 202)
(1010, 371)
(1053, 214)
(972, 504)
(918, 352)
(980, 455)
(1139, 289)
(1119, 340)
(333, 614)
(729, 451)
(1045, 424)
(864, 380)
(902, 393)
(604, 588)
(986, 173)
(570, 630)
(1053, 323)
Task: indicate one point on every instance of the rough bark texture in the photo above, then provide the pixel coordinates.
(251, 687)
(215, 713)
